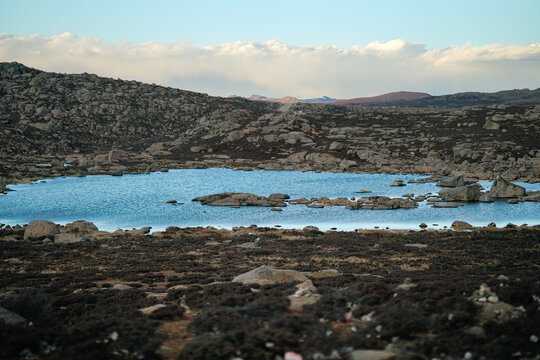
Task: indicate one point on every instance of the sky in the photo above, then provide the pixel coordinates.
(301, 48)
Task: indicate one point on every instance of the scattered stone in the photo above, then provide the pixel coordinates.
(239, 199)
(266, 275)
(69, 238)
(171, 201)
(13, 261)
(310, 228)
(121, 287)
(461, 225)
(151, 309)
(397, 182)
(363, 191)
(277, 208)
(40, 229)
(11, 318)
(486, 197)
(446, 206)
(418, 246)
(461, 193)
(177, 288)
(306, 294)
(502, 189)
(139, 232)
(452, 181)
(81, 226)
(278, 196)
(371, 355)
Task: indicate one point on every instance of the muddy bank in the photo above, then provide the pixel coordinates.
(415, 294)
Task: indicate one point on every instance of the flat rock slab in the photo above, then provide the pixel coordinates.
(266, 275)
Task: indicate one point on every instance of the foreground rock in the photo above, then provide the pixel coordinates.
(503, 189)
(239, 199)
(40, 229)
(266, 275)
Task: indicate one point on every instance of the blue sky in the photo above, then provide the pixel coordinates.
(275, 48)
(437, 23)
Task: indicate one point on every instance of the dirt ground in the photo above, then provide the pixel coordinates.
(411, 293)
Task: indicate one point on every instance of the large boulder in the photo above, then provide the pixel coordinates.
(40, 229)
(452, 181)
(461, 193)
(502, 189)
(266, 275)
(239, 199)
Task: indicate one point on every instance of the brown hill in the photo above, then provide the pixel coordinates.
(393, 96)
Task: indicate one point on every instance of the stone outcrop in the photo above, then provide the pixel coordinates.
(461, 193)
(503, 189)
(239, 199)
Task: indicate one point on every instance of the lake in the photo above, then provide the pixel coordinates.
(133, 201)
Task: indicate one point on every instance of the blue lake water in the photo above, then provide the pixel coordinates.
(139, 200)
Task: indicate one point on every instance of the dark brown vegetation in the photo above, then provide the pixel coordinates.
(66, 292)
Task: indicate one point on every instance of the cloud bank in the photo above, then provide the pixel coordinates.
(273, 68)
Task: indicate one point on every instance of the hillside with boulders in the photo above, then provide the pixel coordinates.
(100, 125)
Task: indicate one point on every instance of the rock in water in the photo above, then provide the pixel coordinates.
(461, 193)
(40, 229)
(239, 199)
(397, 182)
(452, 181)
(505, 189)
(266, 275)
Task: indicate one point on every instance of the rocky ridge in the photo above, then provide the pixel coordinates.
(105, 126)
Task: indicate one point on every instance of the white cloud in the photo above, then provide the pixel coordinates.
(273, 68)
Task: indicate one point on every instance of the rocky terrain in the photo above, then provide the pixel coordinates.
(258, 293)
(106, 126)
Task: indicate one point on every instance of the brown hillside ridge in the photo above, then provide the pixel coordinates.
(392, 96)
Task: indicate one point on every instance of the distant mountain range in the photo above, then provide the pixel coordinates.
(419, 99)
(384, 98)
